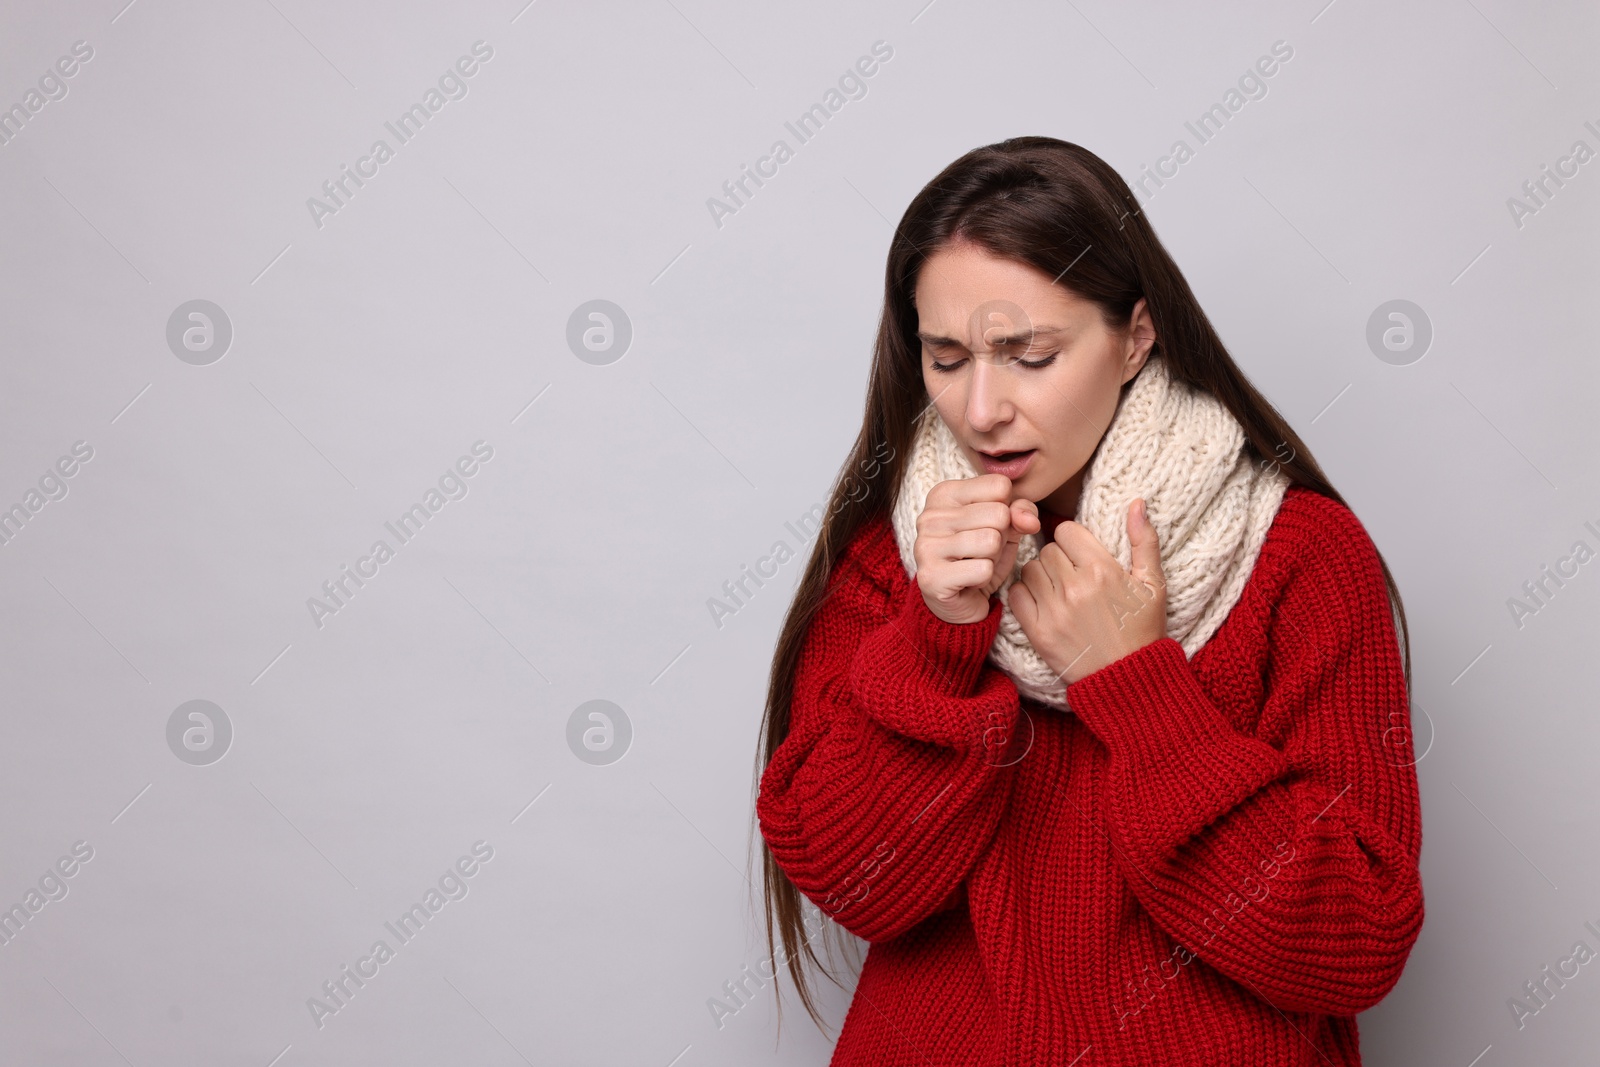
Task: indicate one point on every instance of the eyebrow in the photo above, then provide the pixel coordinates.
(1022, 335)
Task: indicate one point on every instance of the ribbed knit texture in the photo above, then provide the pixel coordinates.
(1208, 861)
(1182, 451)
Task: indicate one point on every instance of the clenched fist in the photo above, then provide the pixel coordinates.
(967, 537)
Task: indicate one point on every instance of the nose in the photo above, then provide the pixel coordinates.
(989, 401)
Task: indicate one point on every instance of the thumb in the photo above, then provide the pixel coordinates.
(1145, 546)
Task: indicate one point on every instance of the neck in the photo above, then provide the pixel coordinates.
(1064, 501)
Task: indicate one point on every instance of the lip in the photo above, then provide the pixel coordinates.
(1013, 468)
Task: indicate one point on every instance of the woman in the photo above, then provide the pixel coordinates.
(1142, 795)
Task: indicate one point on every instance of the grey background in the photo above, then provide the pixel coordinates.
(432, 312)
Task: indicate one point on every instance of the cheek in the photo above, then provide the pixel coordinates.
(1083, 408)
(950, 401)
(1072, 436)
(1065, 418)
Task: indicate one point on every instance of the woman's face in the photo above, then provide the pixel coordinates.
(1048, 376)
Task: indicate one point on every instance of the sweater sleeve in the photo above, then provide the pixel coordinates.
(893, 776)
(1286, 859)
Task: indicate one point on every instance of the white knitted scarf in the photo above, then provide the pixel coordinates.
(1183, 452)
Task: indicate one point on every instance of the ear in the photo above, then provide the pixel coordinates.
(1140, 342)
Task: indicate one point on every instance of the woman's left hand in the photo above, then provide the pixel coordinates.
(1080, 609)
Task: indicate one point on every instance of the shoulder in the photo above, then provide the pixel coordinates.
(873, 555)
(862, 591)
(1317, 552)
(1309, 527)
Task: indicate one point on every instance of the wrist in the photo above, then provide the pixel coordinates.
(960, 612)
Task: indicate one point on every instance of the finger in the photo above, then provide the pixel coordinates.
(1080, 546)
(1008, 555)
(958, 491)
(1022, 603)
(983, 543)
(965, 573)
(1040, 581)
(939, 521)
(1025, 517)
(1146, 545)
(1056, 566)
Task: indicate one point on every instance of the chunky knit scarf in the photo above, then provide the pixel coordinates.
(1184, 453)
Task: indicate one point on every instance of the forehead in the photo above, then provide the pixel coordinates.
(960, 284)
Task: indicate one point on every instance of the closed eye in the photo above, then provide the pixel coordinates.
(946, 368)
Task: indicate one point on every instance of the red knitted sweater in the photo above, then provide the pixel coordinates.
(1208, 861)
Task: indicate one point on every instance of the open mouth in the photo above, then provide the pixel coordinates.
(1013, 465)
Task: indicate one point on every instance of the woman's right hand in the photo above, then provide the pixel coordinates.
(967, 538)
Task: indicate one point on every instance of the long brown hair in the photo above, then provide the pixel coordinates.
(1061, 209)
